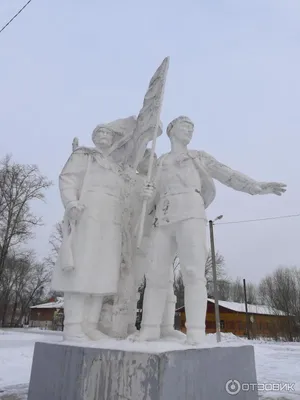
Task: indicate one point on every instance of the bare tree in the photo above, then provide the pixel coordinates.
(55, 243)
(56, 238)
(224, 288)
(24, 282)
(20, 185)
(220, 267)
(237, 292)
(221, 275)
(281, 292)
(252, 293)
(35, 289)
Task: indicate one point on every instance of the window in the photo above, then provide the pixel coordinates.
(222, 324)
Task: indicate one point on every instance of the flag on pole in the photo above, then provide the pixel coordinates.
(149, 126)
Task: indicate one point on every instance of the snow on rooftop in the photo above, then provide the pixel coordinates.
(59, 303)
(240, 307)
(252, 308)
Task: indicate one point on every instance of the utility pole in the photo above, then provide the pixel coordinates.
(246, 308)
(214, 270)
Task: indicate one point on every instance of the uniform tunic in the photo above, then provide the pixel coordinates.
(179, 188)
(96, 241)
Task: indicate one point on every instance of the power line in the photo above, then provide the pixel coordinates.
(258, 219)
(19, 12)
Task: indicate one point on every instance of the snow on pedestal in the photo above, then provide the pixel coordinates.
(140, 371)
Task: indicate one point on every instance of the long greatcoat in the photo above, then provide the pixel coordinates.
(96, 239)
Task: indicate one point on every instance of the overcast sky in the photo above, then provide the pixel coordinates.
(66, 66)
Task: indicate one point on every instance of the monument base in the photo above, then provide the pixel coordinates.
(67, 372)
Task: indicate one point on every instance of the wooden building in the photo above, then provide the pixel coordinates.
(262, 320)
(49, 315)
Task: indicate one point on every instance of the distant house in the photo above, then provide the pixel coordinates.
(48, 315)
(262, 320)
(51, 315)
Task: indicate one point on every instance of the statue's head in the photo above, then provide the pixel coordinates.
(181, 129)
(103, 137)
(144, 164)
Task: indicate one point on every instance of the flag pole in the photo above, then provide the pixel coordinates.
(151, 160)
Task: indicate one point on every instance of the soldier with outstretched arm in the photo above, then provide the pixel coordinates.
(184, 189)
(142, 257)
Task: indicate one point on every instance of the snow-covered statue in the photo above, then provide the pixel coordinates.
(95, 186)
(142, 257)
(90, 256)
(184, 189)
(124, 306)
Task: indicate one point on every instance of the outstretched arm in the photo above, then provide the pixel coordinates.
(238, 181)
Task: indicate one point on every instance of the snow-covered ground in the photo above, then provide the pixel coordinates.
(16, 351)
(276, 363)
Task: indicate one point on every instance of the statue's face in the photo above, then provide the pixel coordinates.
(183, 132)
(104, 138)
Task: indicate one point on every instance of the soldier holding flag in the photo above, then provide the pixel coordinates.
(94, 190)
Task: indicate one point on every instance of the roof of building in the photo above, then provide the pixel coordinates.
(240, 307)
(59, 303)
(230, 305)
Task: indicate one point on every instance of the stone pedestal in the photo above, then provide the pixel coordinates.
(64, 372)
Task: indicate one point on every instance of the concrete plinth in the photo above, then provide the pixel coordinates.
(64, 372)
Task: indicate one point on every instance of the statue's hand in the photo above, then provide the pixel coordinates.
(148, 190)
(272, 188)
(75, 212)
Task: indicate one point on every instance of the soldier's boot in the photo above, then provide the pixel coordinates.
(195, 299)
(167, 327)
(74, 316)
(92, 320)
(152, 313)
